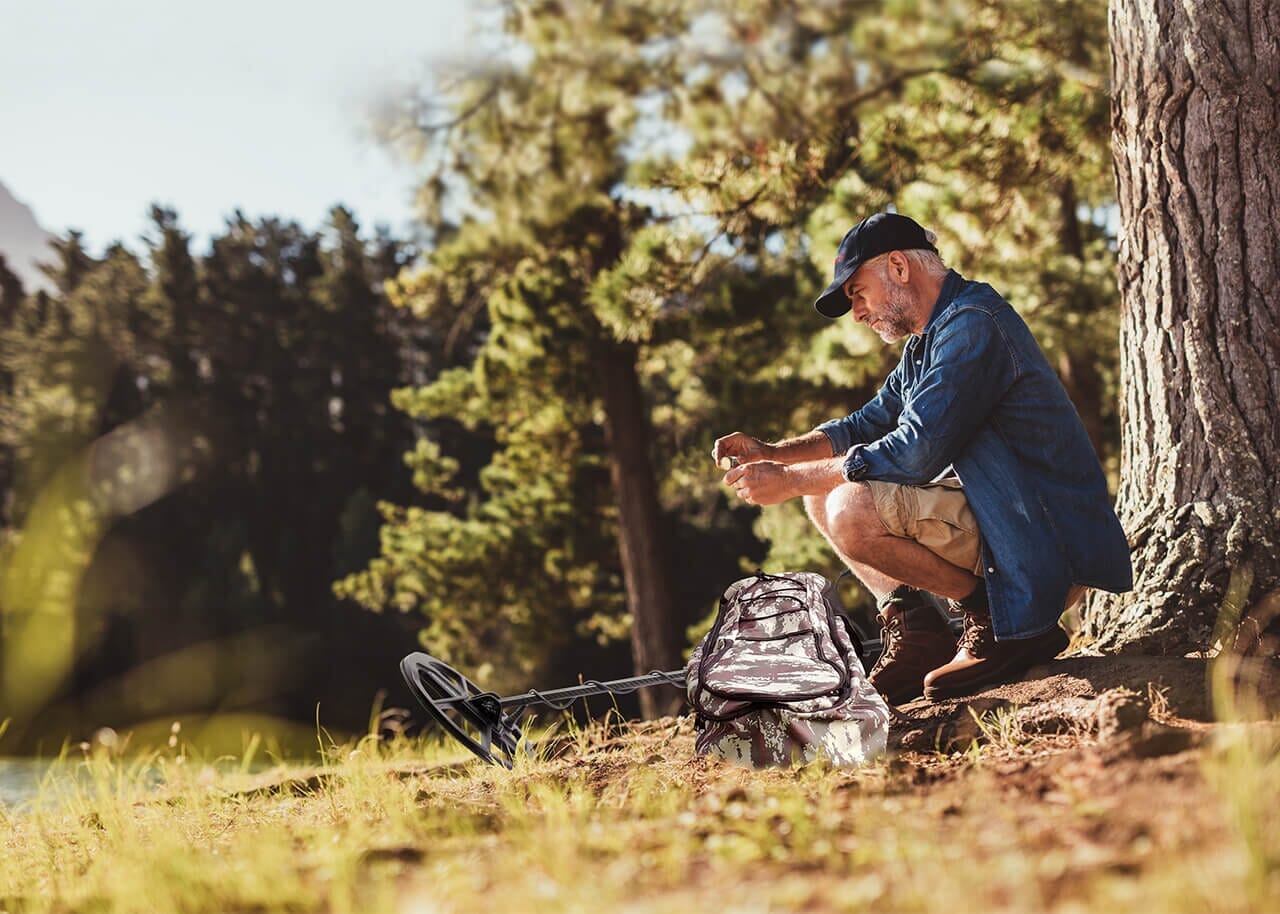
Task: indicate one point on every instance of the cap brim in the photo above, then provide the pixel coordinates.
(833, 302)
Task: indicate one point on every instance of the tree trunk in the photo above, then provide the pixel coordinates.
(1195, 113)
(654, 640)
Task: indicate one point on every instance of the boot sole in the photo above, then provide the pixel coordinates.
(1003, 675)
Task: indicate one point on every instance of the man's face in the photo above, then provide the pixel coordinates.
(877, 301)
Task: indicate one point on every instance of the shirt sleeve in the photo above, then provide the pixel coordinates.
(971, 365)
(874, 420)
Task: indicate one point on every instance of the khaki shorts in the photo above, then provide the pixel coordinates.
(935, 515)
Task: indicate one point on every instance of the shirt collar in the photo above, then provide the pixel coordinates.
(950, 288)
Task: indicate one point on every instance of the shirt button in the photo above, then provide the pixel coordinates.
(991, 571)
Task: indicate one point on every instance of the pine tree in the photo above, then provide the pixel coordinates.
(11, 294)
(189, 450)
(643, 200)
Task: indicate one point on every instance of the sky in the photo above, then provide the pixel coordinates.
(206, 107)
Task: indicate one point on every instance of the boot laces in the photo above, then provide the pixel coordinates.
(890, 640)
(977, 635)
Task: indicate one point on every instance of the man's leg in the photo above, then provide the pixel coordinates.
(853, 525)
(848, 518)
(915, 639)
(878, 583)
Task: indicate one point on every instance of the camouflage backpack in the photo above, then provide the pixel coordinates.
(776, 681)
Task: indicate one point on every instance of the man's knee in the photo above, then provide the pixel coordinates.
(850, 512)
(815, 507)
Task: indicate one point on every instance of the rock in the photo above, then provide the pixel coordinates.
(1067, 715)
(1119, 711)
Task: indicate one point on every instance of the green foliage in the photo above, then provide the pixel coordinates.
(192, 448)
(673, 179)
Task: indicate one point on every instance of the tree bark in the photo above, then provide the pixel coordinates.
(654, 640)
(1195, 110)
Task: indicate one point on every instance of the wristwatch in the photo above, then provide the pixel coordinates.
(855, 465)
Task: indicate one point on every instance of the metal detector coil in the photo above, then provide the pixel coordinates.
(478, 719)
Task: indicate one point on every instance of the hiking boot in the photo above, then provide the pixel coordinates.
(914, 639)
(981, 660)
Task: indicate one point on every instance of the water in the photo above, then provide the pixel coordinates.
(21, 779)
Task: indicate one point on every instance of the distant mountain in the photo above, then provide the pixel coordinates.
(22, 240)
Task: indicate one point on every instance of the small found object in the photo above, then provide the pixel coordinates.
(728, 463)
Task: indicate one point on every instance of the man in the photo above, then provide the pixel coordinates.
(968, 475)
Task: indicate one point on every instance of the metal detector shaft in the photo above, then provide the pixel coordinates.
(561, 698)
(477, 719)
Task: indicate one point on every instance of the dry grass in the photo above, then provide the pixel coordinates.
(627, 819)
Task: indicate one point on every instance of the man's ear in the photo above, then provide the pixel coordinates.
(899, 267)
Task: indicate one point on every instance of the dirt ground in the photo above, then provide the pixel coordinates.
(1159, 702)
(1105, 772)
(1094, 784)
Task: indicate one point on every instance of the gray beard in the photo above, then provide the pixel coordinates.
(896, 322)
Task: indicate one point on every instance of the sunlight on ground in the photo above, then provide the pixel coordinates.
(624, 817)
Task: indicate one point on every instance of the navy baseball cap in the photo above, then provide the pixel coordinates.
(873, 236)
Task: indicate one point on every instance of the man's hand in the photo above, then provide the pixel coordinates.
(742, 448)
(763, 482)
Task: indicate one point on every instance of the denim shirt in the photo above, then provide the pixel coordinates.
(974, 392)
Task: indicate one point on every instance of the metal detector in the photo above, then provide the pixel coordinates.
(488, 724)
(479, 720)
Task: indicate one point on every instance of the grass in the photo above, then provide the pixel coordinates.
(625, 818)
(999, 727)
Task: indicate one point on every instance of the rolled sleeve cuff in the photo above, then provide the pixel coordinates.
(855, 465)
(838, 433)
